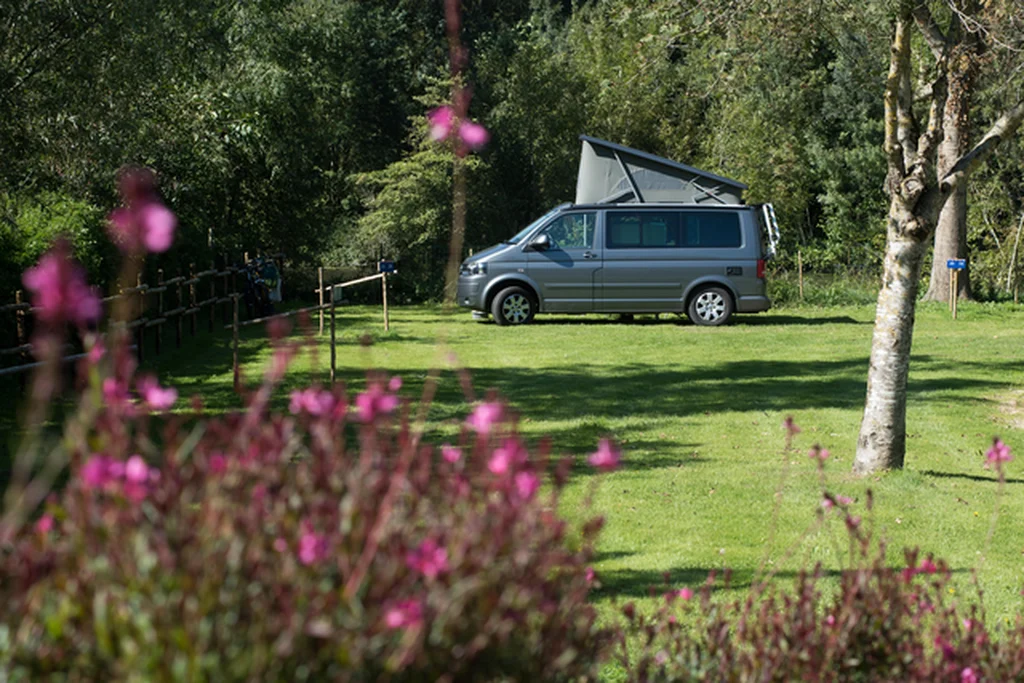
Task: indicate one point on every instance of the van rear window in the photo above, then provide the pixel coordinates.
(673, 229)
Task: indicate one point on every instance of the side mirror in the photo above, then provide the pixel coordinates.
(541, 242)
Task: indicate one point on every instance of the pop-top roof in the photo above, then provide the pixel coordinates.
(614, 173)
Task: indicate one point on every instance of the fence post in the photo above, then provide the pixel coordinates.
(213, 292)
(384, 295)
(19, 320)
(192, 298)
(333, 352)
(224, 308)
(140, 329)
(181, 312)
(234, 342)
(320, 292)
(159, 310)
(800, 269)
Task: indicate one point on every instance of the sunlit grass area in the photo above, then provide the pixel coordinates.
(706, 481)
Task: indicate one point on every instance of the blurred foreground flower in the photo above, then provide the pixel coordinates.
(59, 291)
(144, 223)
(444, 124)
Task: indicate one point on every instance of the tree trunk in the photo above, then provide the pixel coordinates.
(882, 440)
(951, 229)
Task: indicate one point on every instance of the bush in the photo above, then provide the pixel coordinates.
(328, 542)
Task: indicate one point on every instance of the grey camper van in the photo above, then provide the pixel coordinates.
(645, 235)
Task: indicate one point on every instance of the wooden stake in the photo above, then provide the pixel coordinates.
(320, 293)
(800, 269)
(177, 318)
(955, 290)
(384, 294)
(140, 331)
(234, 341)
(333, 351)
(192, 298)
(159, 311)
(213, 294)
(19, 317)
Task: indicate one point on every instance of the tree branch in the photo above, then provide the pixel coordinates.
(1004, 127)
(939, 90)
(933, 35)
(899, 65)
(907, 130)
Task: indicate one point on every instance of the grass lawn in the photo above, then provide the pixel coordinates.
(699, 413)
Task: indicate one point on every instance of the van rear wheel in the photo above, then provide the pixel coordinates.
(711, 307)
(513, 306)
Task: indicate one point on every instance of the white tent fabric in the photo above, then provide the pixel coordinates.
(613, 173)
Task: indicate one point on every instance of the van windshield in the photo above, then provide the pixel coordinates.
(532, 226)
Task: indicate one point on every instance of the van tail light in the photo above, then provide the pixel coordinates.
(760, 268)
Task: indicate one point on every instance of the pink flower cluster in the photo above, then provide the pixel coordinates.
(507, 456)
(404, 614)
(818, 453)
(485, 416)
(607, 456)
(313, 547)
(58, 288)
(429, 559)
(144, 223)
(925, 566)
(998, 454)
(156, 397)
(131, 478)
(444, 124)
(378, 400)
(313, 401)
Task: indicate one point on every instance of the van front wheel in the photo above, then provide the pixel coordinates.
(513, 306)
(711, 307)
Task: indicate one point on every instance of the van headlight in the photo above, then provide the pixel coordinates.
(476, 268)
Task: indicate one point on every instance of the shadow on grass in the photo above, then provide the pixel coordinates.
(969, 477)
(643, 583)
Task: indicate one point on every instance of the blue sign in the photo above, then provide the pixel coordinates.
(386, 267)
(956, 264)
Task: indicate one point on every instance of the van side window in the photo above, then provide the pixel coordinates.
(711, 229)
(573, 230)
(643, 229)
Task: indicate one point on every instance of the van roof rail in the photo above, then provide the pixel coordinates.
(614, 173)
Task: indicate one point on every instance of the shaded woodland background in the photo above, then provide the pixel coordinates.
(298, 126)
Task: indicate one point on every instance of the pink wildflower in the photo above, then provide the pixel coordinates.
(926, 566)
(44, 524)
(429, 559)
(394, 384)
(968, 675)
(99, 471)
(485, 416)
(155, 396)
(96, 351)
(312, 401)
(218, 464)
(852, 523)
(144, 223)
(404, 614)
(607, 456)
(999, 453)
(280, 545)
(527, 484)
(442, 123)
(58, 288)
(136, 470)
(590, 575)
(830, 620)
(968, 624)
(116, 396)
(451, 453)
(375, 401)
(827, 503)
(685, 593)
(312, 547)
(844, 500)
(509, 454)
(790, 426)
(818, 453)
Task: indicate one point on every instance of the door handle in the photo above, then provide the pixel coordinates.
(589, 255)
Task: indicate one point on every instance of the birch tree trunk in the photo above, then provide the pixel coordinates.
(951, 229)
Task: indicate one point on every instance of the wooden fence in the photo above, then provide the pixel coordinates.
(169, 301)
(175, 300)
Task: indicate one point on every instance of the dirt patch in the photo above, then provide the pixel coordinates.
(1011, 406)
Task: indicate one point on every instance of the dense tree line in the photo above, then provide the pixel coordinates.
(299, 125)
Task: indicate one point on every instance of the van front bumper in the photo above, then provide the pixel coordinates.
(753, 304)
(470, 293)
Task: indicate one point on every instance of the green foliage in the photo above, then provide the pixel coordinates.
(28, 227)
